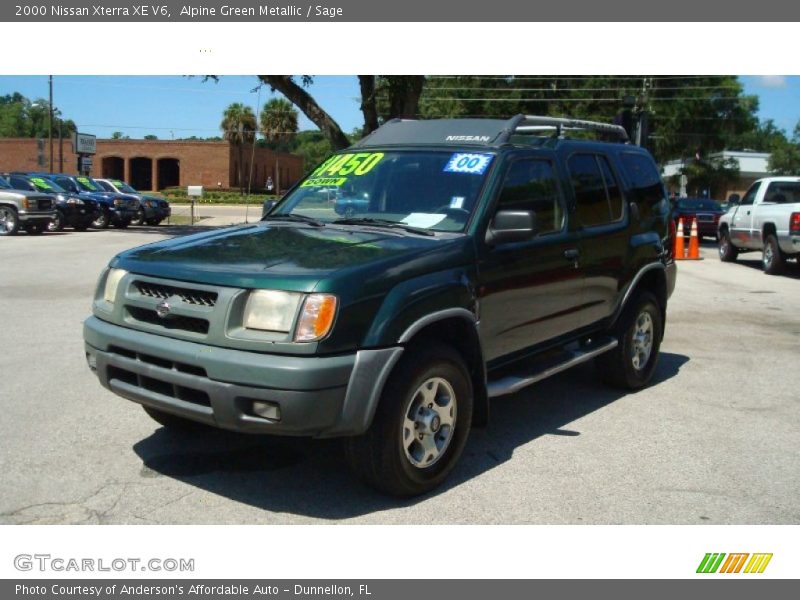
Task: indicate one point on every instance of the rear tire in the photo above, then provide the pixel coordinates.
(632, 363)
(9, 221)
(772, 257)
(173, 422)
(421, 424)
(727, 251)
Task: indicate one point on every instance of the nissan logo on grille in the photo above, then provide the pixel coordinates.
(163, 309)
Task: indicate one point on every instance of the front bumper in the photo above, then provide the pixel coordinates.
(157, 212)
(78, 215)
(121, 215)
(317, 396)
(33, 218)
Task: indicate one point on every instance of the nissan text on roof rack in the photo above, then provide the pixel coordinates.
(484, 256)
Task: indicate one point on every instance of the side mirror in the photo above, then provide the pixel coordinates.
(268, 206)
(510, 226)
(734, 199)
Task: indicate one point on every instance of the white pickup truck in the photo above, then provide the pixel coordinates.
(767, 218)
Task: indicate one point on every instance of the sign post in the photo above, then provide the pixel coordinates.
(194, 191)
(85, 146)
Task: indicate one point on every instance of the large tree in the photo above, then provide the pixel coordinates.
(383, 97)
(785, 157)
(21, 117)
(239, 128)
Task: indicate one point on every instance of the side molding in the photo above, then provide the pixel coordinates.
(433, 317)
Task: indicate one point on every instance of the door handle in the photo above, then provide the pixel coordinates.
(572, 254)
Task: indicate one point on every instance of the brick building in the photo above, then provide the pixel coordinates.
(157, 164)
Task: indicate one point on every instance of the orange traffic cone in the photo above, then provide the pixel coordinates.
(694, 243)
(680, 248)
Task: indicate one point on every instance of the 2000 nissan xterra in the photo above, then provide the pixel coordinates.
(487, 256)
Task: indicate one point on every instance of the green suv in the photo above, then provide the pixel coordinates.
(481, 256)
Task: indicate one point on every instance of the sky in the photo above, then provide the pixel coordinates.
(178, 106)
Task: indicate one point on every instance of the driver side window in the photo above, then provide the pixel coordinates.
(531, 184)
(750, 196)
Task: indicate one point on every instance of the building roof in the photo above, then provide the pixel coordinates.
(751, 164)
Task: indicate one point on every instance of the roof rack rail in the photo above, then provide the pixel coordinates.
(531, 123)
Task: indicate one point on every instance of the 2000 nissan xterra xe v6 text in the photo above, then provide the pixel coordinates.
(487, 256)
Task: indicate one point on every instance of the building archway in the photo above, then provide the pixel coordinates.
(169, 172)
(141, 173)
(113, 167)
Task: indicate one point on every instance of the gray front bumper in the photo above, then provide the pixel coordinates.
(318, 396)
(36, 217)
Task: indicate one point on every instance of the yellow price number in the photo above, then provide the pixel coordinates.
(357, 164)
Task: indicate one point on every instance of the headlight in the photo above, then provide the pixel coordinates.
(112, 283)
(148, 204)
(75, 201)
(271, 310)
(316, 318)
(119, 202)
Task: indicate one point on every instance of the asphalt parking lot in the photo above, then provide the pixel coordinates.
(716, 439)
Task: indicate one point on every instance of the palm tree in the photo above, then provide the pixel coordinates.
(239, 128)
(278, 120)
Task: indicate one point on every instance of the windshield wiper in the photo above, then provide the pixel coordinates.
(292, 217)
(382, 223)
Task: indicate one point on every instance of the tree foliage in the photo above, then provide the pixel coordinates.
(239, 127)
(278, 120)
(21, 117)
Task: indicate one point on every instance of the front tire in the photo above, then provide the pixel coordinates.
(421, 424)
(727, 251)
(632, 363)
(772, 257)
(139, 218)
(102, 221)
(9, 221)
(56, 224)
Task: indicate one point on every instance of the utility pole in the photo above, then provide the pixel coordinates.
(642, 111)
(50, 123)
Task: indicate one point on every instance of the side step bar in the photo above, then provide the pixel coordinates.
(569, 358)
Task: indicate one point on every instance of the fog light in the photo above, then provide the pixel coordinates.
(92, 360)
(267, 410)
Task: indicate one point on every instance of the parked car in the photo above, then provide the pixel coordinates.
(31, 211)
(71, 210)
(703, 210)
(767, 218)
(489, 258)
(113, 209)
(152, 209)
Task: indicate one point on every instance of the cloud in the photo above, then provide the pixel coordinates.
(773, 81)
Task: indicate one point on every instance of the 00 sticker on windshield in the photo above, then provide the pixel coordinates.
(340, 168)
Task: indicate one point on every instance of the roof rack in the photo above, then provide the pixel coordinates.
(532, 123)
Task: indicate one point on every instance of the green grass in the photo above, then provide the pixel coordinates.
(179, 196)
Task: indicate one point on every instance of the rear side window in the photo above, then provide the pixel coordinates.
(647, 190)
(783, 192)
(531, 184)
(597, 192)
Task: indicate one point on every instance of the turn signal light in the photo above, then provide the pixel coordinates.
(316, 317)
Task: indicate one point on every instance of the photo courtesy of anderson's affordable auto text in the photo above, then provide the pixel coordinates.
(480, 314)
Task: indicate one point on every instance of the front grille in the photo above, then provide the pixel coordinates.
(172, 322)
(158, 362)
(189, 296)
(158, 386)
(705, 217)
(44, 203)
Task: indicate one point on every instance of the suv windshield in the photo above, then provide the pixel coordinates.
(88, 185)
(123, 187)
(423, 189)
(45, 185)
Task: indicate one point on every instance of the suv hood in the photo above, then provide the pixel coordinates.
(295, 257)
